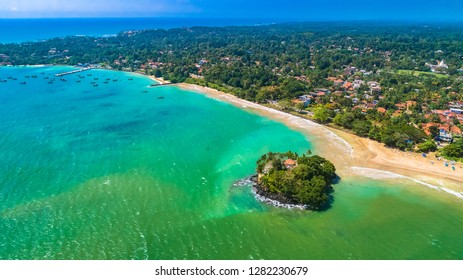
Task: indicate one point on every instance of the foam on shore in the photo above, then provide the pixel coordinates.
(276, 203)
(380, 174)
(340, 144)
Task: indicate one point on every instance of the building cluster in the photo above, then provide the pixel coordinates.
(4, 59)
(150, 64)
(348, 88)
(446, 127)
(365, 96)
(54, 52)
(440, 67)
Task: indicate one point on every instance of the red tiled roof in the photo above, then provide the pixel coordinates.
(347, 85)
(456, 130)
(290, 162)
(445, 127)
(381, 110)
(428, 125)
(397, 113)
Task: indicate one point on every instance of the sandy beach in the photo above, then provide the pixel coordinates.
(158, 80)
(353, 155)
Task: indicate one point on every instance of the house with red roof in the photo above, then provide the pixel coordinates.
(347, 86)
(401, 106)
(427, 127)
(290, 163)
(410, 104)
(381, 110)
(456, 131)
(397, 113)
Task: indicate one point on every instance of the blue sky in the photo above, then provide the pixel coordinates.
(297, 9)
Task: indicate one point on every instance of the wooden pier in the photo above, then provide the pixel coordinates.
(161, 84)
(74, 71)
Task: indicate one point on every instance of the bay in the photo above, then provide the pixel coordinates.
(124, 171)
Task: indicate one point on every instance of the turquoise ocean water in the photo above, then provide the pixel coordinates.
(123, 171)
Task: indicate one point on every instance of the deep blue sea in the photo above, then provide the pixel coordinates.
(22, 30)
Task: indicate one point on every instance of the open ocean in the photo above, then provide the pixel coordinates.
(22, 30)
(123, 171)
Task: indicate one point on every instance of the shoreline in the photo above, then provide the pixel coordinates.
(258, 193)
(354, 155)
(160, 80)
(275, 203)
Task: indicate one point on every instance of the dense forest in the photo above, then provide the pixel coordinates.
(290, 178)
(400, 84)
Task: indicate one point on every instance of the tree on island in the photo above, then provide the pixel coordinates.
(293, 179)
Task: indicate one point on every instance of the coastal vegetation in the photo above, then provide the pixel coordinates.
(292, 179)
(454, 150)
(401, 85)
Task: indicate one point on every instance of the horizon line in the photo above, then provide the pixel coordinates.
(279, 19)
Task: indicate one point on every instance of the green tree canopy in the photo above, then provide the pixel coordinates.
(304, 180)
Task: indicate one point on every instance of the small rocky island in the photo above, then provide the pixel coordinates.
(293, 181)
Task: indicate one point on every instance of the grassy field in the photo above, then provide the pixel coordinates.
(418, 73)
